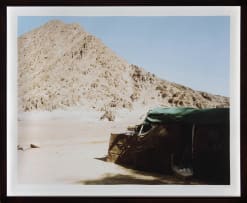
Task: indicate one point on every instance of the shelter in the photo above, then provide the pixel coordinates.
(185, 141)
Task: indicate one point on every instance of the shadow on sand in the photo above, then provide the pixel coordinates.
(138, 177)
(120, 179)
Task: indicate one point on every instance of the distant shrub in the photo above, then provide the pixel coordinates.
(109, 115)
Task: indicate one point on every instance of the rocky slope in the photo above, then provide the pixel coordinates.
(61, 65)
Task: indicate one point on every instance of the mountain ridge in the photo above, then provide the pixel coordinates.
(61, 65)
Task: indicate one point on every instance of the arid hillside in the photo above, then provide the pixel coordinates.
(61, 65)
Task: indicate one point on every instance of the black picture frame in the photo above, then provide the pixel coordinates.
(3, 104)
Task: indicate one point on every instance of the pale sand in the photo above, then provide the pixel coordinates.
(70, 152)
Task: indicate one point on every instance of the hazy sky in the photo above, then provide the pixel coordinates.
(193, 51)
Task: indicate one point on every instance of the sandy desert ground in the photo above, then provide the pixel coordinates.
(71, 151)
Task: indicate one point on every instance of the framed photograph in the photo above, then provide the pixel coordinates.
(123, 101)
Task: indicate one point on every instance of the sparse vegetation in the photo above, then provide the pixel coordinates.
(109, 115)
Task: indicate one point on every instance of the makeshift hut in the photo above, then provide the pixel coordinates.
(185, 141)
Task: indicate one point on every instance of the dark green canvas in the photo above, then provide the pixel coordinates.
(188, 115)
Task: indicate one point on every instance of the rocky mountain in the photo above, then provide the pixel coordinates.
(61, 65)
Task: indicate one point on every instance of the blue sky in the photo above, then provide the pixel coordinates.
(190, 50)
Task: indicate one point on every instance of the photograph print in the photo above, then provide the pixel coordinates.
(108, 100)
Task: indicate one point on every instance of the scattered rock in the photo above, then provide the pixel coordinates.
(26, 147)
(34, 146)
(20, 148)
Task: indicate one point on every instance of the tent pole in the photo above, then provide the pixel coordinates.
(140, 131)
(192, 144)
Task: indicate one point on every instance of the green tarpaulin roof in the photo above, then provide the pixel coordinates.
(188, 115)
